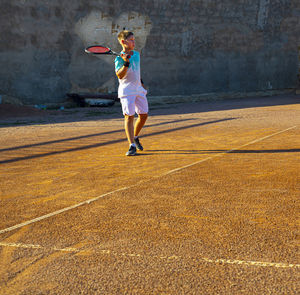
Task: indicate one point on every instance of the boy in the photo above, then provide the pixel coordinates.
(131, 91)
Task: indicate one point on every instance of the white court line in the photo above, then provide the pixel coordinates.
(143, 181)
(173, 257)
(229, 151)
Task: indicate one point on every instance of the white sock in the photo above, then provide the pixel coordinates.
(133, 144)
(135, 137)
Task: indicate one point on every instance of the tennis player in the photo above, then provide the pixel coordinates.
(131, 90)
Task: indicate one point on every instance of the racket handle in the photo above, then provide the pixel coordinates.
(128, 56)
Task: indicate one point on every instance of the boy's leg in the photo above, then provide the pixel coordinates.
(128, 107)
(140, 122)
(129, 129)
(141, 108)
(137, 128)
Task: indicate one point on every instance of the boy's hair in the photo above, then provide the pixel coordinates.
(123, 35)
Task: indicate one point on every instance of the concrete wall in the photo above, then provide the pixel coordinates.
(187, 46)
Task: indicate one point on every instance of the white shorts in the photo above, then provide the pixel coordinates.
(132, 104)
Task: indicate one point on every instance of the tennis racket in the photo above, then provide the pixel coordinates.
(98, 49)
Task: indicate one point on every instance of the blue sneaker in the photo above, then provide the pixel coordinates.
(131, 151)
(138, 144)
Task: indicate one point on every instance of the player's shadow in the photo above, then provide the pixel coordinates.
(190, 152)
(87, 136)
(96, 145)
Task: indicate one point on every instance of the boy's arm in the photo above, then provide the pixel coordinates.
(123, 70)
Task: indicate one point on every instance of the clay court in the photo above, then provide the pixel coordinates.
(211, 206)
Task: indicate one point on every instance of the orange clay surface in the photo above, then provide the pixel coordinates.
(211, 206)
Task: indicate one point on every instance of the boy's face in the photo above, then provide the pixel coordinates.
(129, 43)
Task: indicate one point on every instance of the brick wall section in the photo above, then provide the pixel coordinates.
(188, 46)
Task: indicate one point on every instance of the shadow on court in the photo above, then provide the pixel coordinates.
(187, 152)
(96, 145)
(86, 136)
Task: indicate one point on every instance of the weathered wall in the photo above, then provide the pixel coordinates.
(188, 46)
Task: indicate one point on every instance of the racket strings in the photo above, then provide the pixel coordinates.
(98, 49)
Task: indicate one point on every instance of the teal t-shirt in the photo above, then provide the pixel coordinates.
(134, 62)
(131, 83)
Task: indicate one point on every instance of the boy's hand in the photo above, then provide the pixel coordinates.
(122, 71)
(125, 57)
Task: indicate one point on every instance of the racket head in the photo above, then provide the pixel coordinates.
(98, 49)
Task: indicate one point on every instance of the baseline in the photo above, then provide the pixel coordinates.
(172, 257)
